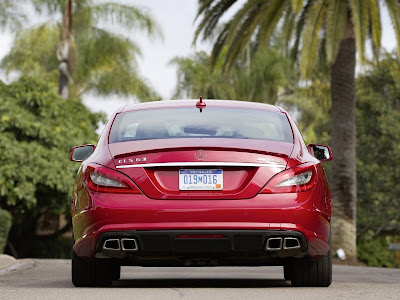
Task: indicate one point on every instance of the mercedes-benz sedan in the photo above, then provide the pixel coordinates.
(201, 183)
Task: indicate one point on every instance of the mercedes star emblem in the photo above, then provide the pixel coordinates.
(200, 155)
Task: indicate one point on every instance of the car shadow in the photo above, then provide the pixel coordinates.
(201, 283)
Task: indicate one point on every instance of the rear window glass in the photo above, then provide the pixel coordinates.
(172, 123)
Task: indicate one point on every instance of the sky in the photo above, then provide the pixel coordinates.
(175, 18)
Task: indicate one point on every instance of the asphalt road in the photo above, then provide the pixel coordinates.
(51, 279)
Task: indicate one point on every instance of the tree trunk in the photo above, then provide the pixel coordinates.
(63, 50)
(343, 172)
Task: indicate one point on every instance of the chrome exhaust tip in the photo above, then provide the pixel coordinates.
(290, 243)
(112, 244)
(274, 244)
(129, 244)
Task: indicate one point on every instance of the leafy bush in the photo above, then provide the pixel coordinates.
(37, 131)
(5, 225)
(373, 250)
(378, 157)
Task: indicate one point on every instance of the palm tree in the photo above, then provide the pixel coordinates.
(79, 54)
(328, 31)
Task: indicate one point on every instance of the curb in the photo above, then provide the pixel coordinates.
(6, 261)
(10, 264)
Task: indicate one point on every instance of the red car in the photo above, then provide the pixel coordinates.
(201, 183)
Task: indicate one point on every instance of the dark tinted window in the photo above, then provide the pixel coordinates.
(171, 123)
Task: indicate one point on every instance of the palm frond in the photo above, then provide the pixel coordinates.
(297, 5)
(211, 17)
(204, 5)
(359, 16)
(10, 15)
(28, 56)
(287, 29)
(244, 33)
(376, 26)
(218, 47)
(311, 36)
(230, 30)
(120, 79)
(127, 16)
(48, 6)
(271, 18)
(335, 25)
(297, 33)
(238, 19)
(394, 12)
(100, 49)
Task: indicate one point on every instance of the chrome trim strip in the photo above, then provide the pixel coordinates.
(200, 164)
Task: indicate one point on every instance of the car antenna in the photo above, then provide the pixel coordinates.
(200, 104)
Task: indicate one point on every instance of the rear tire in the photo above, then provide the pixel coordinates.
(287, 272)
(313, 273)
(115, 272)
(92, 273)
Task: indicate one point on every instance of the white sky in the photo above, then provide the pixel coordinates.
(175, 18)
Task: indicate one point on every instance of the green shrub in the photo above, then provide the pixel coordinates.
(5, 225)
(373, 250)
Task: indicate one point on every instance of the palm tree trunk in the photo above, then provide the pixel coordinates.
(63, 50)
(343, 173)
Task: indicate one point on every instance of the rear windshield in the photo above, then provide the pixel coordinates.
(172, 123)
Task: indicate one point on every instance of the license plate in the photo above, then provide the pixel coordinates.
(200, 179)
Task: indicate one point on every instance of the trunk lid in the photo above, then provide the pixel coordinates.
(247, 165)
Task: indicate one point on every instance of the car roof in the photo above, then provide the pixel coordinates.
(192, 103)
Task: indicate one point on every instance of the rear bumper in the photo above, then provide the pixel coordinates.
(253, 219)
(193, 247)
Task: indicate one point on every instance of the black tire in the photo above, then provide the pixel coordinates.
(115, 272)
(287, 272)
(92, 273)
(313, 273)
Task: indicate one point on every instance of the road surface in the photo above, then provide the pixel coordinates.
(51, 279)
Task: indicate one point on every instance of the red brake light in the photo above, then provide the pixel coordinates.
(102, 179)
(298, 179)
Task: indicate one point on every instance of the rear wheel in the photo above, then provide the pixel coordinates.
(92, 273)
(313, 273)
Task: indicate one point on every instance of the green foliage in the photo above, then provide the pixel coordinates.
(310, 105)
(100, 61)
(378, 155)
(373, 250)
(378, 150)
(37, 131)
(5, 225)
(30, 57)
(259, 77)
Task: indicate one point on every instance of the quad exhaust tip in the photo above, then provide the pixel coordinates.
(291, 243)
(112, 244)
(124, 244)
(129, 244)
(274, 244)
(278, 243)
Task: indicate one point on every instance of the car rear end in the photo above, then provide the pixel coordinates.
(179, 186)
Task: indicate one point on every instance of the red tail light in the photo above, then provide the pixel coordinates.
(298, 179)
(102, 179)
